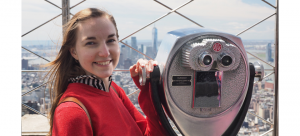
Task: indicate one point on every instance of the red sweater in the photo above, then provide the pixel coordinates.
(111, 115)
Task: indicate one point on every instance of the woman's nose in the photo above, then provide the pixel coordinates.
(104, 50)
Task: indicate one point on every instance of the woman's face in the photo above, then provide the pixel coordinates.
(97, 48)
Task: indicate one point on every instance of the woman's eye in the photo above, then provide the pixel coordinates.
(90, 43)
(111, 40)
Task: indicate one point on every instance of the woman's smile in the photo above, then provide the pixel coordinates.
(103, 63)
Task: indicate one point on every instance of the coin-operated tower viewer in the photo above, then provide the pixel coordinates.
(203, 82)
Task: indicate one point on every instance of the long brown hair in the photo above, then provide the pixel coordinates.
(65, 66)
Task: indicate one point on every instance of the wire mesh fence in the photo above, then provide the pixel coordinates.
(127, 83)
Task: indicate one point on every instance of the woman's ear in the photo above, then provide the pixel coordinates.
(74, 53)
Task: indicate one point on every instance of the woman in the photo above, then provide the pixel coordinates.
(83, 69)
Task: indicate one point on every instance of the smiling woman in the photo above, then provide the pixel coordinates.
(97, 48)
(85, 100)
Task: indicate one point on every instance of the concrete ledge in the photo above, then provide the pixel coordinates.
(36, 133)
(35, 125)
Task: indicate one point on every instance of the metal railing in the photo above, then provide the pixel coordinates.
(65, 15)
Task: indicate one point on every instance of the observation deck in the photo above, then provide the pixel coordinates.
(138, 41)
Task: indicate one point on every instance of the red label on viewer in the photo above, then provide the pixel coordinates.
(217, 47)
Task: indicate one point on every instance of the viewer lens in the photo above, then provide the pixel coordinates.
(207, 60)
(226, 60)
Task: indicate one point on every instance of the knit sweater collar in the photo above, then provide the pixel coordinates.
(91, 80)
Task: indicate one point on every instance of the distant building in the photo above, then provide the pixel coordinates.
(154, 40)
(42, 105)
(121, 60)
(271, 112)
(259, 85)
(255, 105)
(269, 84)
(24, 64)
(149, 52)
(127, 63)
(141, 49)
(34, 67)
(265, 110)
(255, 89)
(125, 53)
(133, 54)
(269, 53)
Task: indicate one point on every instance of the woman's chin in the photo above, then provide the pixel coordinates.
(103, 75)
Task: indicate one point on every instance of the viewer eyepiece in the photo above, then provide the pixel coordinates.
(226, 60)
(207, 60)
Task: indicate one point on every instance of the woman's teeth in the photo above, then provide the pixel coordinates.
(103, 63)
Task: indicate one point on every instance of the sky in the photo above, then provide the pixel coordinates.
(230, 16)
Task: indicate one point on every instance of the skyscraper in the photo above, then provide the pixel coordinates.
(269, 53)
(129, 49)
(141, 49)
(133, 54)
(124, 52)
(24, 64)
(154, 40)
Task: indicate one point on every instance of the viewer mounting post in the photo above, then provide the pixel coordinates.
(65, 12)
